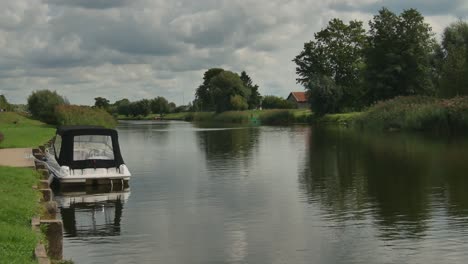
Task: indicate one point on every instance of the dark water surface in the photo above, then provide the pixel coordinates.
(277, 195)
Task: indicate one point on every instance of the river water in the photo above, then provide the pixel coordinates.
(299, 194)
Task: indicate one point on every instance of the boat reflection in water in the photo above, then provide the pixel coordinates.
(91, 211)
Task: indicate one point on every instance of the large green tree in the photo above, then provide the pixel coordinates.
(337, 55)
(42, 104)
(454, 61)
(159, 105)
(203, 95)
(101, 102)
(225, 86)
(399, 54)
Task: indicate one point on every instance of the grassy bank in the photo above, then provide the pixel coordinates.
(417, 113)
(21, 132)
(81, 115)
(18, 205)
(265, 117)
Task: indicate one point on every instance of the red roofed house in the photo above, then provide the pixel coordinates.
(300, 99)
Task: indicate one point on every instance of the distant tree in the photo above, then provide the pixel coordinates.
(225, 85)
(238, 103)
(399, 55)
(454, 60)
(4, 105)
(140, 108)
(123, 107)
(101, 102)
(159, 105)
(275, 102)
(172, 107)
(336, 54)
(42, 103)
(324, 95)
(203, 95)
(255, 98)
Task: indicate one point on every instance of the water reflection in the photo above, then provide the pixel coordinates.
(395, 178)
(91, 211)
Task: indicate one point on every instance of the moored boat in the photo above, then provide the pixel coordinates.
(86, 155)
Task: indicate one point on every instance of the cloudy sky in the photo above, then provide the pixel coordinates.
(145, 48)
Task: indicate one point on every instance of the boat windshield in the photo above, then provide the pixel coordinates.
(92, 147)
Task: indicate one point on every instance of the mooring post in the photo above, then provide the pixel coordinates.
(54, 235)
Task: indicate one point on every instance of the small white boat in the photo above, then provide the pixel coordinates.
(86, 155)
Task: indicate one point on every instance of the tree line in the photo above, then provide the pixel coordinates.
(347, 68)
(224, 90)
(158, 105)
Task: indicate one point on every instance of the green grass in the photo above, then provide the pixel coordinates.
(19, 203)
(20, 131)
(340, 119)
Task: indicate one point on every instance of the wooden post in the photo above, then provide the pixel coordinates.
(46, 194)
(54, 235)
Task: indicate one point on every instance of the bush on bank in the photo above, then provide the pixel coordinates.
(417, 113)
(83, 115)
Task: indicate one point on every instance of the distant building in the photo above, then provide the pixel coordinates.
(300, 99)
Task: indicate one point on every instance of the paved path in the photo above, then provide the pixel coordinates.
(16, 157)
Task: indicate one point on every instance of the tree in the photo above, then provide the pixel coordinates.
(454, 60)
(399, 54)
(42, 103)
(225, 85)
(275, 102)
(123, 107)
(4, 105)
(336, 54)
(255, 98)
(140, 108)
(324, 95)
(238, 103)
(203, 96)
(101, 102)
(159, 105)
(172, 107)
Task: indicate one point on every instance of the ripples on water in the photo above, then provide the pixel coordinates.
(277, 195)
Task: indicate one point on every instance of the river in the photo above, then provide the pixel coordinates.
(298, 194)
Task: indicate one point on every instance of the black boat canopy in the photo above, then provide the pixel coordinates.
(81, 147)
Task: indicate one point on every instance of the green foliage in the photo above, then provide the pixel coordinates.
(454, 60)
(101, 102)
(418, 113)
(220, 89)
(4, 105)
(22, 132)
(275, 102)
(238, 103)
(83, 115)
(337, 55)
(255, 98)
(123, 107)
(325, 96)
(19, 205)
(141, 107)
(398, 56)
(159, 105)
(41, 105)
(225, 85)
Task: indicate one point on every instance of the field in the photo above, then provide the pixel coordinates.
(20, 131)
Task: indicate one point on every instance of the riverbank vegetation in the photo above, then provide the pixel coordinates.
(19, 205)
(52, 108)
(346, 68)
(19, 131)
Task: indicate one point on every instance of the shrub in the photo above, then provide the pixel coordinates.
(83, 115)
(325, 96)
(277, 117)
(239, 103)
(418, 113)
(41, 105)
(275, 102)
